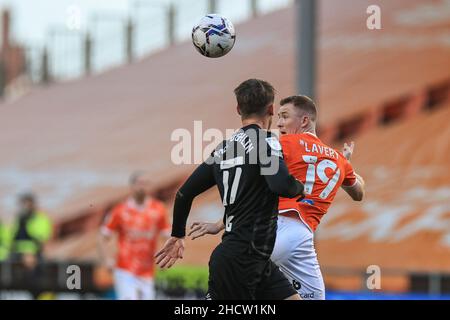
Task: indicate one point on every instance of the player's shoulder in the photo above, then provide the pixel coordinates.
(290, 137)
(157, 205)
(290, 140)
(119, 207)
(253, 131)
(341, 155)
(218, 151)
(298, 136)
(272, 140)
(342, 158)
(255, 136)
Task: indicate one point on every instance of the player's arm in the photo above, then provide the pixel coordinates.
(357, 190)
(199, 229)
(107, 237)
(276, 172)
(201, 180)
(104, 242)
(284, 184)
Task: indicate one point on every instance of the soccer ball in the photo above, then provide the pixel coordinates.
(213, 36)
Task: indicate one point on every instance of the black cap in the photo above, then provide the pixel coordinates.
(27, 196)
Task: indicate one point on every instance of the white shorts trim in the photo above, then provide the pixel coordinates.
(299, 216)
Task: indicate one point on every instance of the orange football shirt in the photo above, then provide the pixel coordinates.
(322, 170)
(138, 229)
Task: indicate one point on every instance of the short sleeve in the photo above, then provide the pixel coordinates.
(112, 222)
(350, 177)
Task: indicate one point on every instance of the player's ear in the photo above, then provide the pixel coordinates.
(270, 110)
(305, 121)
(238, 110)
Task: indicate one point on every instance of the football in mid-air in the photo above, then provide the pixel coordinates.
(213, 36)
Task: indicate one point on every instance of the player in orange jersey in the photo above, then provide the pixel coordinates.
(138, 222)
(322, 170)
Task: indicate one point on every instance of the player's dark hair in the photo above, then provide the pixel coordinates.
(302, 103)
(254, 96)
(134, 177)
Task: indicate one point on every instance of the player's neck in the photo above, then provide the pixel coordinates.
(139, 201)
(313, 132)
(259, 122)
(310, 129)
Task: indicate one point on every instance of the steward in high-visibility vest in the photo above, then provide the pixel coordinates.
(4, 242)
(31, 229)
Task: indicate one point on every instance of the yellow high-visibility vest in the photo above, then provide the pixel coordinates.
(4, 242)
(39, 228)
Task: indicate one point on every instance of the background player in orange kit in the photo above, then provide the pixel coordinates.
(138, 222)
(323, 170)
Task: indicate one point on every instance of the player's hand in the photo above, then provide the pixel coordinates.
(348, 150)
(199, 229)
(29, 260)
(302, 195)
(172, 251)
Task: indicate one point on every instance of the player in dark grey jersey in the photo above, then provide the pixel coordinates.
(250, 174)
